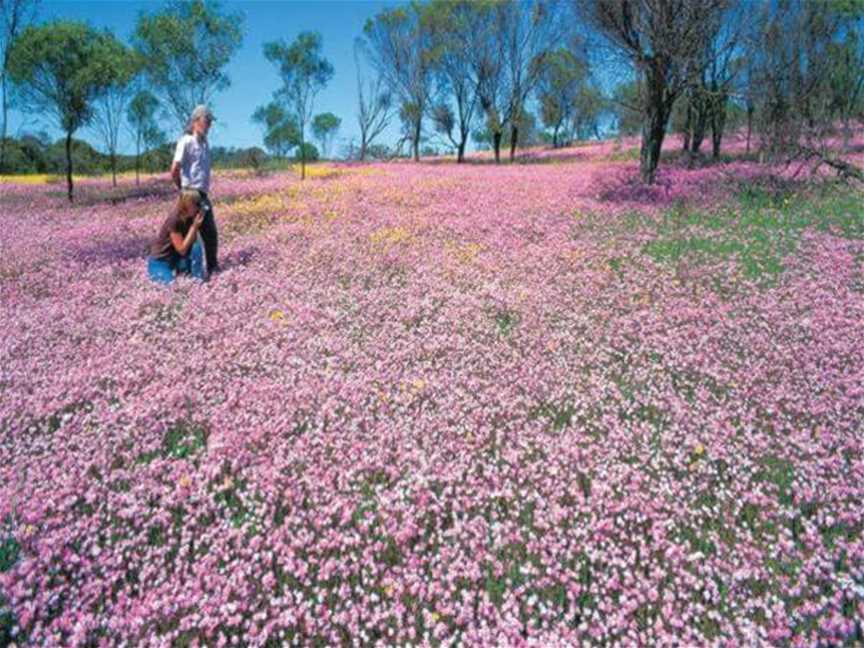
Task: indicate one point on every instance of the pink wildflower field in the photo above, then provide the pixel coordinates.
(427, 404)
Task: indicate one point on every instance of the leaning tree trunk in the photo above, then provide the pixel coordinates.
(5, 108)
(654, 119)
(514, 140)
(718, 126)
(69, 164)
(138, 160)
(302, 155)
(699, 127)
(688, 118)
(496, 144)
(653, 131)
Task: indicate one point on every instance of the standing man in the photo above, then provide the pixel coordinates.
(190, 171)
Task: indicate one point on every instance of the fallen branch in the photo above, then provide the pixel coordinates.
(846, 170)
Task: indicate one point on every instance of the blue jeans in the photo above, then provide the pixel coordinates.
(164, 270)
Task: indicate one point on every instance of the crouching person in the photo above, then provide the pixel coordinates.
(178, 248)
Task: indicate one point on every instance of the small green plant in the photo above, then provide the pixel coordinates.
(759, 231)
(9, 551)
(506, 321)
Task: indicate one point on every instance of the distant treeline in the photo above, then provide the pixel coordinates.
(444, 73)
(38, 154)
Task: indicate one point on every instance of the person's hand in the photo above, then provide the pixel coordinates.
(199, 218)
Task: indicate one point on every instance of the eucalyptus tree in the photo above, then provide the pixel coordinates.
(304, 72)
(559, 89)
(489, 71)
(187, 46)
(809, 76)
(280, 131)
(61, 69)
(508, 57)
(398, 44)
(141, 117)
(714, 73)
(374, 104)
(15, 15)
(111, 105)
(663, 40)
(453, 26)
(530, 30)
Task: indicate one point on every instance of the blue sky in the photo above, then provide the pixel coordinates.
(253, 78)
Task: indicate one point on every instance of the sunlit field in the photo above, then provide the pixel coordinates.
(530, 404)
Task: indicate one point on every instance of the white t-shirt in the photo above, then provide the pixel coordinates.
(193, 154)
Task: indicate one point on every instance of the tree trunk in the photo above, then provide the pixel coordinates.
(302, 155)
(362, 147)
(555, 137)
(5, 108)
(460, 152)
(718, 125)
(69, 164)
(514, 140)
(653, 131)
(113, 168)
(688, 118)
(138, 160)
(496, 144)
(416, 144)
(699, 128)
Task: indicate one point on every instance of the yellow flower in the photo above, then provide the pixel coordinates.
(435, 617)
(419, 384)
(699, 450)
(185, 481)
(388, 590)
(277, 315)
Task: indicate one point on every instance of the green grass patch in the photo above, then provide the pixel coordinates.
(182, 440)
(9, 551)
(759, 230)
(506, 321)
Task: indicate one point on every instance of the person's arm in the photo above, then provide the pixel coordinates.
(175, 174)
(182, 245)
(179, 152)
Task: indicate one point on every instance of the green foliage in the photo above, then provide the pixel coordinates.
(62, 67)
(506, 321)
(7, 623)
(281, 132)
(528, 134)
(300, 64)
(325, 127)
(9, 550)
(306, 152)
(186, 47)
(562, 83)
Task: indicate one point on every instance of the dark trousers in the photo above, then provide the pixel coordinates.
(209, 234)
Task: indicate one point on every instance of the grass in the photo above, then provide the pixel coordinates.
(758, 231)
